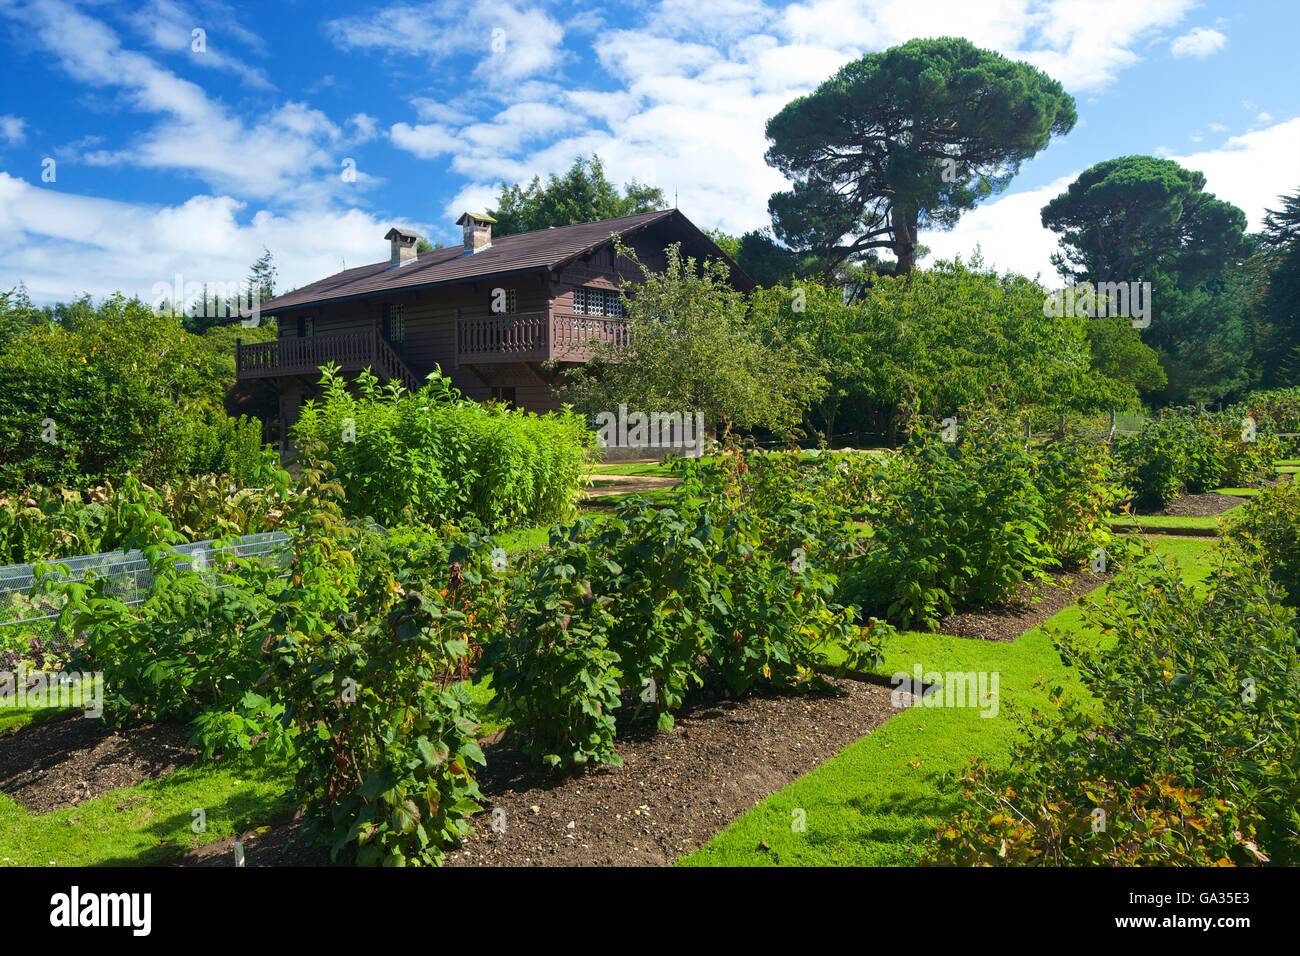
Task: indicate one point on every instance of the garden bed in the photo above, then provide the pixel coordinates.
(1034, 604)
(674, 791)
(60, 763)
(1194, 506)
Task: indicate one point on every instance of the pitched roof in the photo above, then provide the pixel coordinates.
(522, 252)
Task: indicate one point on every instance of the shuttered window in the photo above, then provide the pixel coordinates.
(597, 302)
(394, 324)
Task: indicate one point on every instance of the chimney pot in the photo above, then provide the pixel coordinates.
(477, 228)
(401, 246)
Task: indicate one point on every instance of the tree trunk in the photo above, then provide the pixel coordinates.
(904, 225)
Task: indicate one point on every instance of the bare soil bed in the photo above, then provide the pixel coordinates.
(674, 791)
(61, 763)
(1194, 506)
(1033, 605)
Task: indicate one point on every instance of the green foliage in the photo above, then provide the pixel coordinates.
(691, 347)
(907, 138)
(1191, 748)
(553, 669)
(967, 521)
(1268, 525)
(659, 602)
(117, 389)
(185, 649)
(1278, 410)
(1134, 217)
(582, 194)
(1278, 349)
(350, 663)
(368, 653)
(432, 456)
(960, 522)
(1139, 218)
(42, 524)
(1191, 454)
(939, 339)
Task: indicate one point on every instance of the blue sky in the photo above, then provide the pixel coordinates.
(176, 153)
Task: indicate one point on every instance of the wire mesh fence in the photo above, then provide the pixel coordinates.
(128, 573)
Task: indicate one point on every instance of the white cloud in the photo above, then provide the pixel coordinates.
(128, 247)
(694, 95)
(1200, 42)
(1008, 231)
(13, 129)
(364, 127)
(426, 140)
(515, 42)
(169, 25)
(1253, 169)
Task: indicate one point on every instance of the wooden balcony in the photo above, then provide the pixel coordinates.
(350, 351)
(535, 337)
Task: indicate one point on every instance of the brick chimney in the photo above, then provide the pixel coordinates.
(477, 227)
(401, 246)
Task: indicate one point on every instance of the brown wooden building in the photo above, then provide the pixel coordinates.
(489, 313)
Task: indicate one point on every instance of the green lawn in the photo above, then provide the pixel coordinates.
(150, 822)
(1165, 523)
(635, 468)
(875, 802)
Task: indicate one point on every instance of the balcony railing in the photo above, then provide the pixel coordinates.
(535, 337)
(350, 351)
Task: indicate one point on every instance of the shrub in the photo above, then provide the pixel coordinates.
(117, 389)
(1077, 479)
(185, 649)
(350, 663)
(1269, 525)
(44, 524)
(659, 601)
(554, 672)
(1193, 453)
(956, 523)
(434, 457)
(1190, 747)
(1278, 410)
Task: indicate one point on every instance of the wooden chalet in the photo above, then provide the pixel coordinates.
(501, 317)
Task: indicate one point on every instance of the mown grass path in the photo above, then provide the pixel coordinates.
(873, 804)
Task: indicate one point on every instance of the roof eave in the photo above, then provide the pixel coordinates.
(396, 290)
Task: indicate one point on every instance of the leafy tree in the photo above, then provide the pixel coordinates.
(1143, 219)
(1279, 338)
(211, 311)
(583, 194)
(17, 313)
(692, 348)
(904, 139)
(937, 340)
(1133, 217)
(117, 388)
(262, 276)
